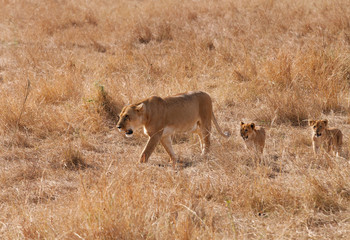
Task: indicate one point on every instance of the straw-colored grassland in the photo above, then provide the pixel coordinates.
(68, 67)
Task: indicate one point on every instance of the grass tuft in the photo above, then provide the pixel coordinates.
(110, 109)
(73, 159)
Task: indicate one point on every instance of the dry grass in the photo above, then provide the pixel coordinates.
(67, 174)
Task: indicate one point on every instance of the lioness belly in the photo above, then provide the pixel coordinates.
(170, 130)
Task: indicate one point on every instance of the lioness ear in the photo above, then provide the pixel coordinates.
(252, 125)
(242, 123)
(312, 122)
(141, 107)
(325, 122)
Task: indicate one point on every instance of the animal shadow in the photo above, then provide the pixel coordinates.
(180, 164)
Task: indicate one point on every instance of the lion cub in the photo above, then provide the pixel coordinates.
(253, 136)
(330, 138)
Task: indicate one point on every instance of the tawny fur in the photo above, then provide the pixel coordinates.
(253, 136)
(330, 138)
(162, 117)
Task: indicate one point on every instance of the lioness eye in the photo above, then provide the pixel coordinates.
(246, 130)
(126, 116)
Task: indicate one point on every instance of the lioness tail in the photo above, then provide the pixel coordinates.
(226, 134)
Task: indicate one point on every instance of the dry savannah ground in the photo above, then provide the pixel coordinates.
(67, 68)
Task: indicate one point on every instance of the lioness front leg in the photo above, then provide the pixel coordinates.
(151, 145)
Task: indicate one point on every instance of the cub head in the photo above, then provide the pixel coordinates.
(318, 126)
(247, 129)
(131, 118)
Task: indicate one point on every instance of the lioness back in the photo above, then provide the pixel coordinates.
(186, 108)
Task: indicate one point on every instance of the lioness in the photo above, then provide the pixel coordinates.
(330, 138)
(253, 136)
(162, 117)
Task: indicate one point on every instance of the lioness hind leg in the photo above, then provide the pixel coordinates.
(166, 142)
(205, 133)
(201, 141)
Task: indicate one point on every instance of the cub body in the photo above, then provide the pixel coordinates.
(330, 138)
(163, 117)
(253, 136)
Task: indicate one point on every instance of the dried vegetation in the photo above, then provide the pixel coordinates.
(66, 173)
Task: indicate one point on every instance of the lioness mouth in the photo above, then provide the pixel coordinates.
(129, 132)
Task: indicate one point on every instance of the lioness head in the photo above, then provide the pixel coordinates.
(247, 130)
(318, 126)
(131, 118)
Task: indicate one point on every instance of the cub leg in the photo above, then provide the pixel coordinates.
(337, 148)
(339, 151)
(315, 147)
(330, 146)
(339, 143)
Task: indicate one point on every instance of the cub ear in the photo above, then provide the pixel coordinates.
(141, 107)
(242, 123)
(312, 122)
(252, 125)
(325, 122)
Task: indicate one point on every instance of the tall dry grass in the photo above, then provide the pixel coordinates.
(67, 174)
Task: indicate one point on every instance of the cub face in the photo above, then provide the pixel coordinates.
(318, 127)
(247, 129)
(131, 118)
